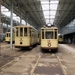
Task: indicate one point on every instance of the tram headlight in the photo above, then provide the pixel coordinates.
(49, 45)
(20, 42)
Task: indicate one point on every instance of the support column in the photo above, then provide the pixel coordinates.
(0, 27)
(0, 22)
(2, 32)
(11, 28)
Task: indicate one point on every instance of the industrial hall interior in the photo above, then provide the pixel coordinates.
(37, 37)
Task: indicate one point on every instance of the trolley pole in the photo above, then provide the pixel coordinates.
(11, 28)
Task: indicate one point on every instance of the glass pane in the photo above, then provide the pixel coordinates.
(42, 34)
(55, 34)
(16, 31)
(60, 36)
(9, 34)
(25, 31)
(21, 31)
(45, 7)
(30, 32)
(49, 35)
(49, 8)
(38, 35)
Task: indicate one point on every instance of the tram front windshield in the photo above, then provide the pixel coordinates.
(23, 33)
(60, 36)
(49, 35)
(7, 35)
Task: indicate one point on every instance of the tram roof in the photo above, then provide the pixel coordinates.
(25, 26)
(7, 32)
(49, 27)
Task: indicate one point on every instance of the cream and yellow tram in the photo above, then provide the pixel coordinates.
(7, 37)
(49, 38)
(25, 36)
(39, 38)
(60, 39)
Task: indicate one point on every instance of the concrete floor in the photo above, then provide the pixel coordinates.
(67, 57)
(25, 62)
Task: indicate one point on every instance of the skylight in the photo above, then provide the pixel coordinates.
(49, 8)
(6, 12)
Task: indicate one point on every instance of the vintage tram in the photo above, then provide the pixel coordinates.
(39, 38)
(49, 38)
(60, 38)
(25, 36)
(7, 37)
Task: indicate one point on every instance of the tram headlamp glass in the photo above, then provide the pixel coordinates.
(20, 42)
(49, 45)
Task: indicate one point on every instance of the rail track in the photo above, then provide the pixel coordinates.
(48, 64)
(44, 64)
(14, 57)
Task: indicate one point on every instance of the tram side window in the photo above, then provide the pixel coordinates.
(25, 31)
(55, 34)
(38, 35)
(42, 34)
(49, 35)
(30, 32)
(21, 31)
(16, 31)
